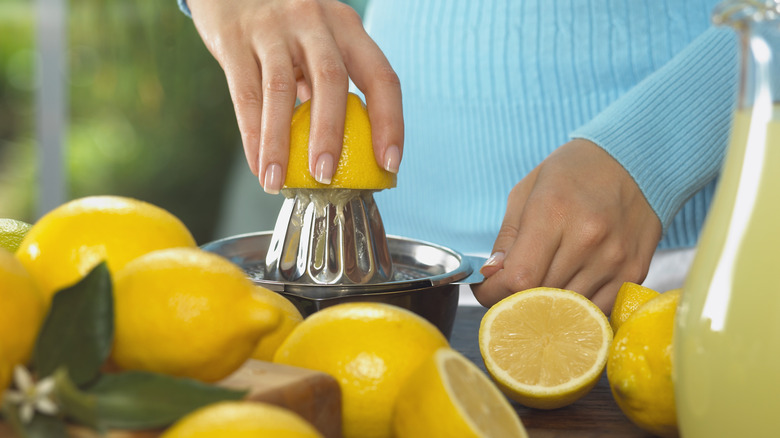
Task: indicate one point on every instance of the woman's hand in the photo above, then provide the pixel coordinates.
(273, 51)
(578, 221)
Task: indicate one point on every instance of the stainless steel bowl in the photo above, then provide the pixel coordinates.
(426, 278)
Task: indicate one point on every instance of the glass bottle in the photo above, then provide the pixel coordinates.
(727, 332)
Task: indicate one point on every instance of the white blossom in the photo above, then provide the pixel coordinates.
(31, 396)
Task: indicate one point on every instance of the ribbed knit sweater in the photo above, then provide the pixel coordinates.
(491, 87)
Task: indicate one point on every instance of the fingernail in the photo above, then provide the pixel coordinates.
(272, 182)
(392, 158)
(324, 168)
(495, 259)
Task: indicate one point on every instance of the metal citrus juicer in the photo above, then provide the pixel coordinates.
(329, 237)
(329, 246)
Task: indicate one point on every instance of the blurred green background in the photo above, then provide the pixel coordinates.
(149, 112)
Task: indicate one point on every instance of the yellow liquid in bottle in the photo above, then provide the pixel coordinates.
(727, 334)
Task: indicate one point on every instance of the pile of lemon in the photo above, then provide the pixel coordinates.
(547, 348)
(178, 310)
(186, 312)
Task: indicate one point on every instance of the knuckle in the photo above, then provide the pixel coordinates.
(507, 232)
(304, 7)
(345, 13)
(269, 139)
(616, 255)
(387, 76)
(593, 231)
(251, 140)
(328, 138)
(247, 97)
(634, 272)
(520, 278)
(280, 83)
(332, 71)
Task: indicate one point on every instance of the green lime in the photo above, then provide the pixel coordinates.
(12, 232)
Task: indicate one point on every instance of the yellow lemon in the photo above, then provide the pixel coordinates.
(448, 396)
(22, 311)
(290, 318)
(629, 298)
(639, 368)
(66, 243)
(235, 419)
(545, 347)
(370, 348)
(187, 312)
(12, 232)
(356, 169)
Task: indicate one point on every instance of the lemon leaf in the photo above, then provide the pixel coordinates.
(78, 331)
(142, 400)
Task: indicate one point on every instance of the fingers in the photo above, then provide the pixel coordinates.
(371, 72)
(325, 70)
(525, 264)
(604, 297)
(279, 93)
(275, 50)
(243, 78)
(509, 230)
(524, 249)
(577, 222)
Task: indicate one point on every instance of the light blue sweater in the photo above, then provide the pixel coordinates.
(491, 87)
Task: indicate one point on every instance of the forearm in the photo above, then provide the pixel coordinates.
(670, 131)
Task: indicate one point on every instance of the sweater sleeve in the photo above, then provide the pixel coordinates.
(671, 130)
(184, 8)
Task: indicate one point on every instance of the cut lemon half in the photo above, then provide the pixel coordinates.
(545, 347)
(630, 297)
(357, 167)
(448, 396)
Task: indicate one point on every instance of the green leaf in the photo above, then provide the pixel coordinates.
(44, 426)
(41, 426)
(79, 329)
(142, 400)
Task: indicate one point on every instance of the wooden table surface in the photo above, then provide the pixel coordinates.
(594, 416)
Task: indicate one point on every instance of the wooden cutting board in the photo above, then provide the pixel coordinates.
(313, 395)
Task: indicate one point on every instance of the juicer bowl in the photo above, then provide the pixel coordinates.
(426, 278)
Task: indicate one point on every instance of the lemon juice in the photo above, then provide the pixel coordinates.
(727, 334)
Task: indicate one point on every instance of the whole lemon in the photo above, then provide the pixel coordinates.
(236, 419)
(370, 348)
(66, 243)
(12, 232)
(357, 167)
(639, 367)
(187, 312)
(21, 313)
(630, 297)
(290, 318)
